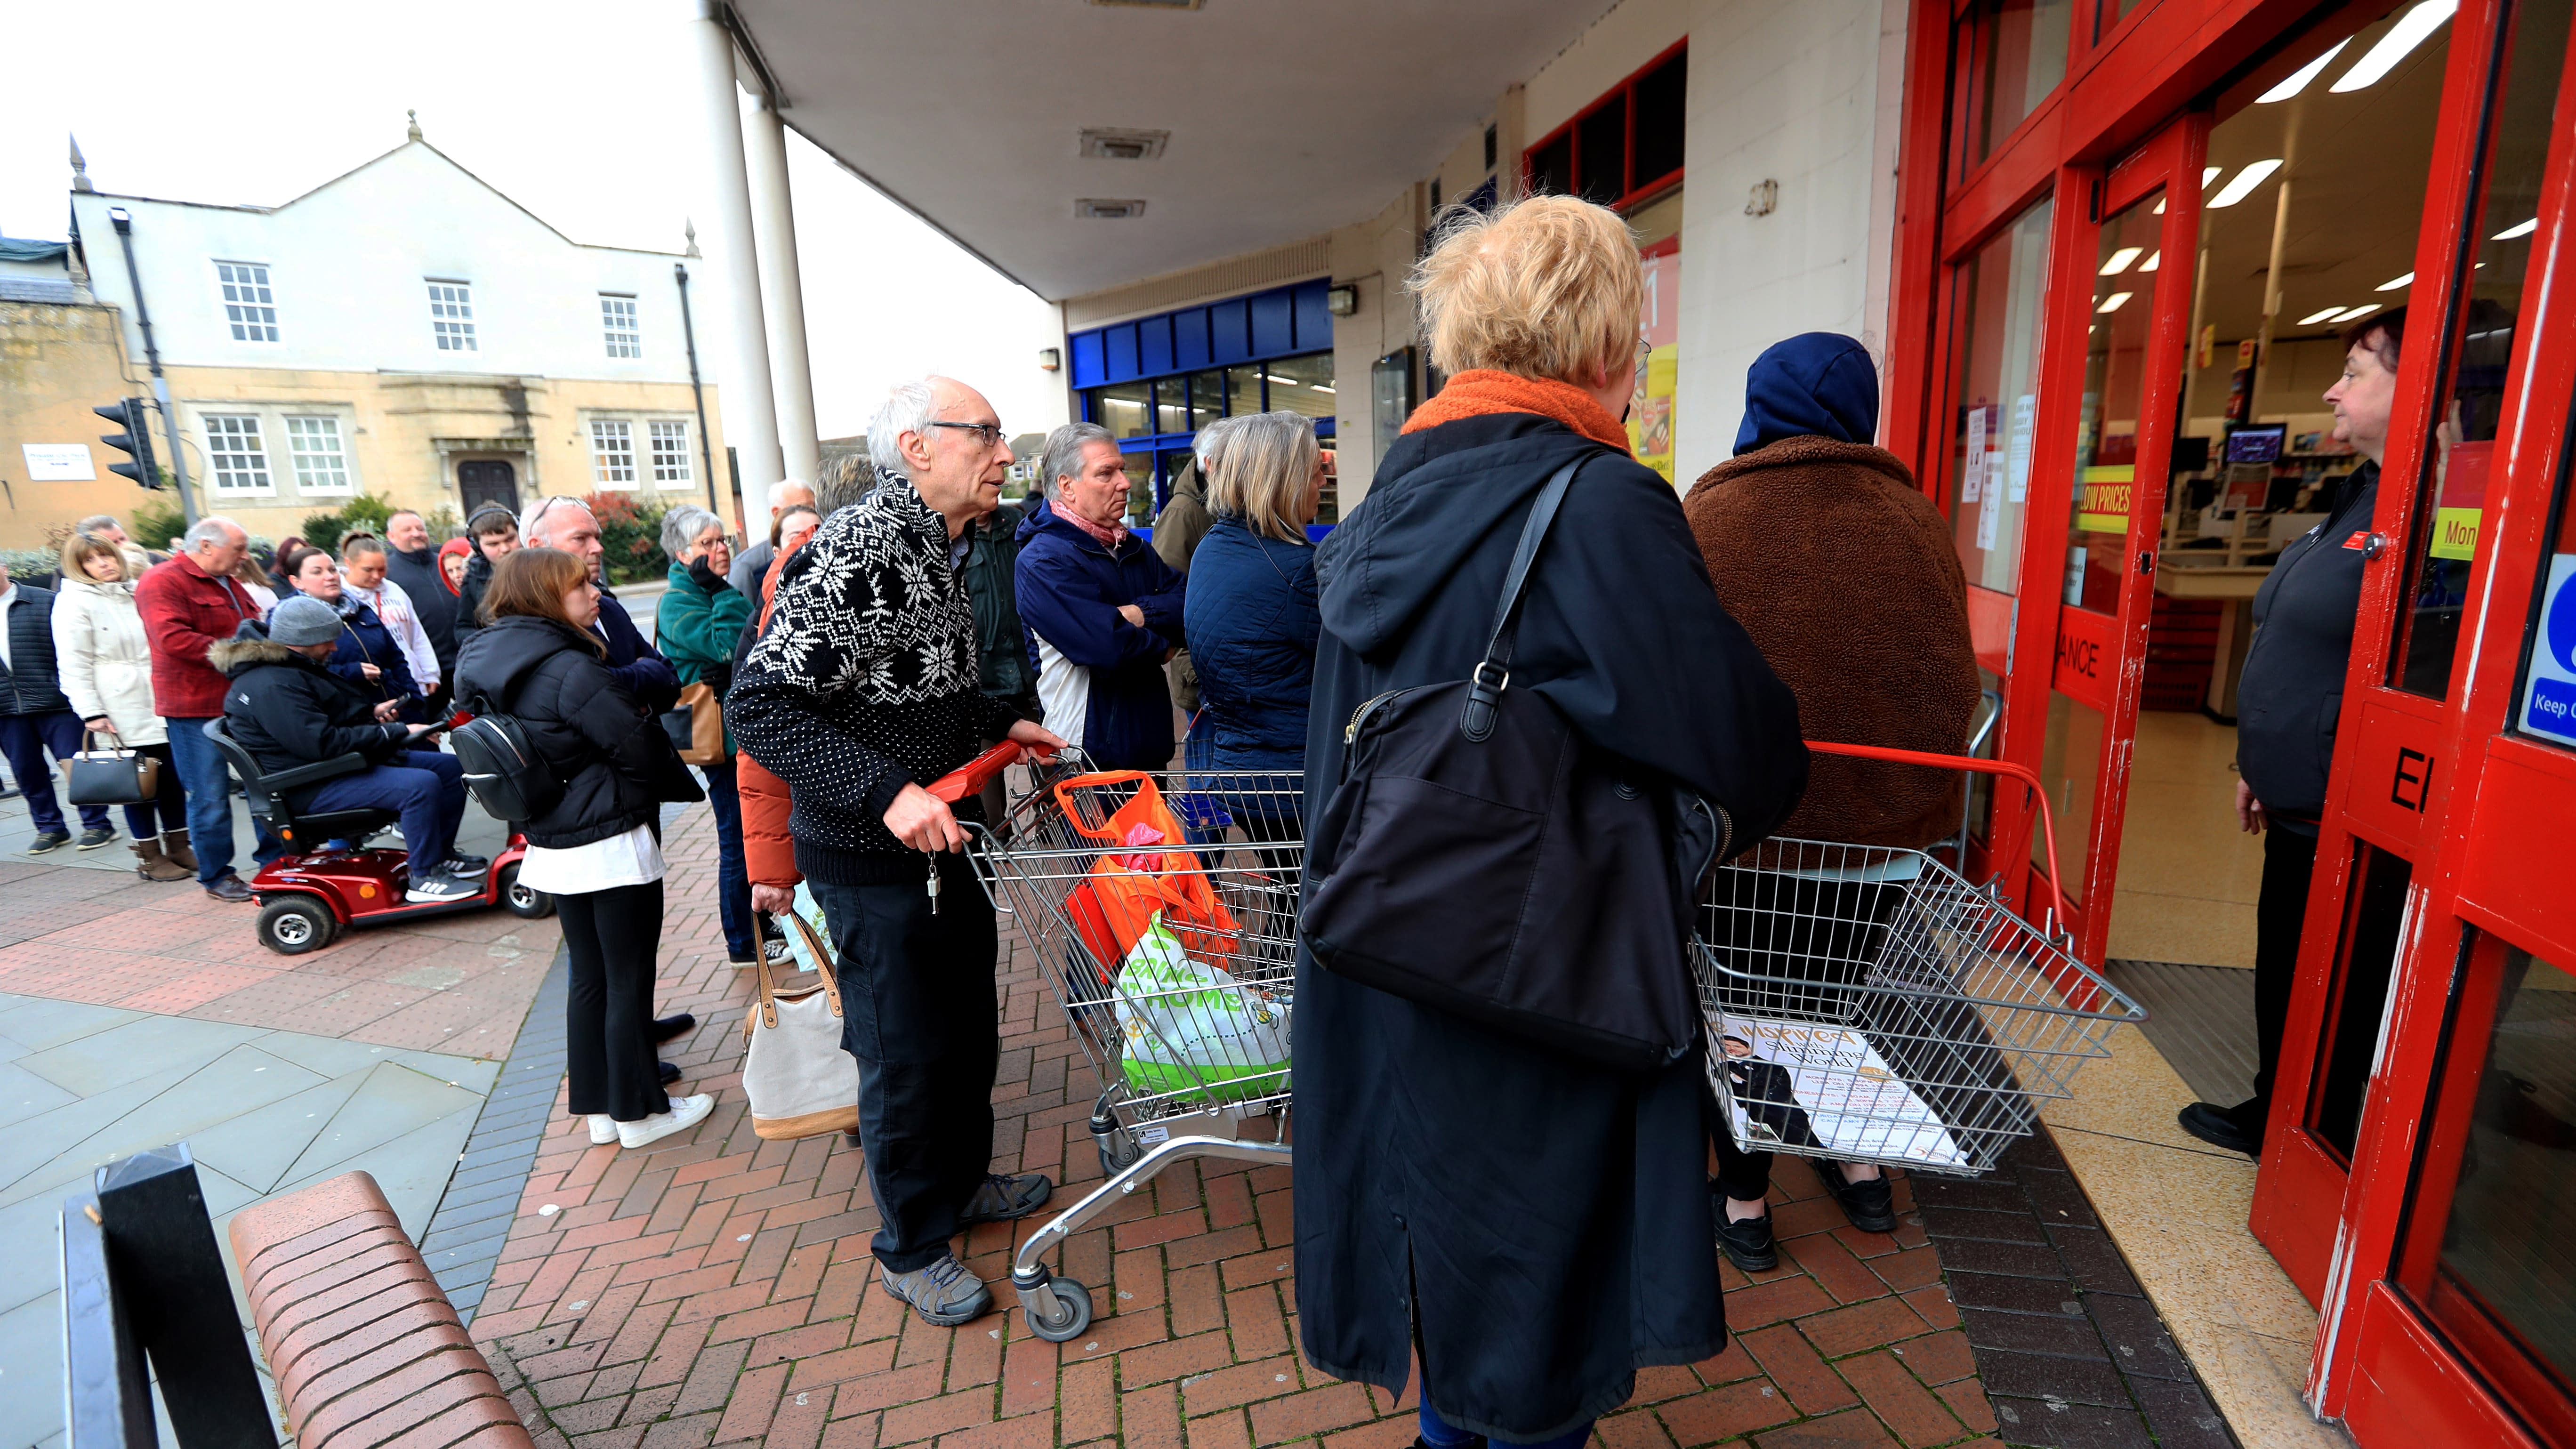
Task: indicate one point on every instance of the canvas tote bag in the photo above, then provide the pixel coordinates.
(801, 1081)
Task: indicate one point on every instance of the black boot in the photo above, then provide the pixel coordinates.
(1747, 1244)
(1870, 1205)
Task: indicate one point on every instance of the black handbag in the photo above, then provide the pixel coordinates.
(110, 777)
(1478, 857)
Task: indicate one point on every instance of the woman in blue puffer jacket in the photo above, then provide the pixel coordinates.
(1252, 621)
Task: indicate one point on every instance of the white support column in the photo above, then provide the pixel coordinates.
(741, 343)
(782, 293)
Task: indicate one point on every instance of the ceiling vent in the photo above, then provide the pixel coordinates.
(1104, 208)
(1151, 4)
(1111, 144)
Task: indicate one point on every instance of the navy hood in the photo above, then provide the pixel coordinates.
(1816, 384)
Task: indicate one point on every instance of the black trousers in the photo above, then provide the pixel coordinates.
(1746, 1176)
(611, 940)
(920, 1013)
(2289, 862)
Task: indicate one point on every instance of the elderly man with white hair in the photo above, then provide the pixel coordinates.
(189, 605)
(568, 525)
(752, 564)
(1102, 609)
(861, 691)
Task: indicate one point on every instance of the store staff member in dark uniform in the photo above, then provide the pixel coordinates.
(2286, 707)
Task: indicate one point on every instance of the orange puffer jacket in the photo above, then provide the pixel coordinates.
(768, 850)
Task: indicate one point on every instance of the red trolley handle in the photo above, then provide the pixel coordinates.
(975, 774)
(2023, 773)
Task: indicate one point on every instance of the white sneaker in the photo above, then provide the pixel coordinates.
(686, 1113)
(603, 1129)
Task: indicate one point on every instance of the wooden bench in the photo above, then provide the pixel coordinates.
(365, 1349)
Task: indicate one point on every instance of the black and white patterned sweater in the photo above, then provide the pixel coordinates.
(864, 682)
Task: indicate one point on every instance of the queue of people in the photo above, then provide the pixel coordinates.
(898, 618)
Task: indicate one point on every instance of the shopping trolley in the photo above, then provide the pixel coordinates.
(1173, 957)
(1869, 1004)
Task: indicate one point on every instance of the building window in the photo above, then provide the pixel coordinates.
(612, 454)
(670, 454)
(617, 319)
(240, 458)
(248, 304)
(451, 315)
(1625, 147)
(320, 466)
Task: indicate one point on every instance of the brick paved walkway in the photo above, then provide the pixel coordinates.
(457, 984)
(717, 1289)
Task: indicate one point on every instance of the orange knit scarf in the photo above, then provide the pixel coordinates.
(1481, 391)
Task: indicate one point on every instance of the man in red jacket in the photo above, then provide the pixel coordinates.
(189, 605)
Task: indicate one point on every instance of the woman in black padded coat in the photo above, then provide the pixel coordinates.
(598, 848)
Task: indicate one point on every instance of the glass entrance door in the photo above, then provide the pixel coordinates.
(2095, 550)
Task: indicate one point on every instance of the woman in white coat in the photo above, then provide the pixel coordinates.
(105, 661)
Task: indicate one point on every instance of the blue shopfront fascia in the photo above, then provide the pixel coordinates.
(1262, 326)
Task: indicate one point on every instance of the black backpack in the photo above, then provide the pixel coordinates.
(502, 767)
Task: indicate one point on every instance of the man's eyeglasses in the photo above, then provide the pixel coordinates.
(989, 434)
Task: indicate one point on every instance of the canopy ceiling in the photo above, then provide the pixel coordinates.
(1286, 119)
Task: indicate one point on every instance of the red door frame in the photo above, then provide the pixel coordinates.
(2378, 1361)
(2388, 770)
(2491, 857)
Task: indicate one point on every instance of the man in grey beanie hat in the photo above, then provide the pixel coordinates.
(285, 709)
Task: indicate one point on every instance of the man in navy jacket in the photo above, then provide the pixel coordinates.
(1103, 611)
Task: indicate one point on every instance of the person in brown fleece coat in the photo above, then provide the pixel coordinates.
(1843, 572)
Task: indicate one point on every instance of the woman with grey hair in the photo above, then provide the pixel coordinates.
(1252, 619)
(701, 617)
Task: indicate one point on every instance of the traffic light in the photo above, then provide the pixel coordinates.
(135, 416)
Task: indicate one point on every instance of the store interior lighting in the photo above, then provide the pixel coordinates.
(2115, 301)
(2393, 283)
(2154, 260)
(2298, 80)
(2526, 229)
(2242, 184)
(2354, 314)
(2401, 39)
(2324, 315)
(2120, 260)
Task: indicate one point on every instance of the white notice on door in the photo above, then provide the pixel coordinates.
(1972, 482)
(58, 462)
(2017, 464)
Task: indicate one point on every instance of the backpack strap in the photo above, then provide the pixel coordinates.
(1494, 673)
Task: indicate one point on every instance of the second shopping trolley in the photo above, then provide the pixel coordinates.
(1868, 1004)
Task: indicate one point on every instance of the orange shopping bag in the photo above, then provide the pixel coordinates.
(1136, 879)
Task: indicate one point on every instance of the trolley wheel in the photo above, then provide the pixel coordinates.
(293, 925)
(520, 900)
(1068, 1310)
(1118, 1151)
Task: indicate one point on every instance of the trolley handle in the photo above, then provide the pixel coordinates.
(2023, 773)
(975, 774)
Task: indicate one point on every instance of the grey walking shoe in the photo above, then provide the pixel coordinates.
(1005, 1199)
(944, 1294)
(96, 836)
(49, 840)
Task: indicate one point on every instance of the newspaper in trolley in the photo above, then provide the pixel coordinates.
(1818, 1088)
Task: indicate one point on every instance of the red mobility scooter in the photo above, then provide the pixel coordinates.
(309, 895)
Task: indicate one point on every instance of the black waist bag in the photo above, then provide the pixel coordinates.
(1479, 858)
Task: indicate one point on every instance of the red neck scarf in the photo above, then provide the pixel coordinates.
(1108, 537)
(1480, 391)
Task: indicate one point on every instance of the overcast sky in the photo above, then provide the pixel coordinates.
(586, 112)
